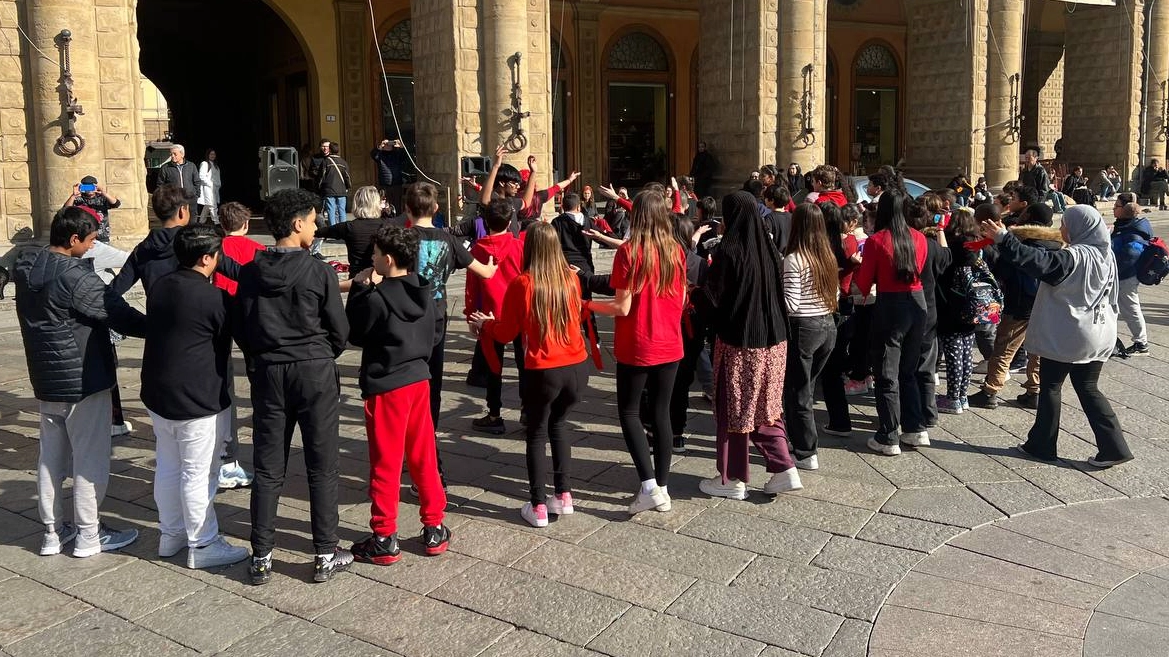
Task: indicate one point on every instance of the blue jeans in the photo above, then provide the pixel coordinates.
(1107, 189)
(1057, 202)
(335, 207)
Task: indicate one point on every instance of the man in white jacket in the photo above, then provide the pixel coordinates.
(209, 184)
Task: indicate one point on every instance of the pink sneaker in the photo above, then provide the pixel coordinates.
(561, 504)
(853, 388)
(537, 516)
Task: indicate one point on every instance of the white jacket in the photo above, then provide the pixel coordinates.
(209, 184)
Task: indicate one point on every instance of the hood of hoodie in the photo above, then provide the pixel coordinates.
(158, 245)
(1138, 225)
(833, 195)
(40, 266)
(406, 296)
(280, 270)
(1039, 234)
(496, 245)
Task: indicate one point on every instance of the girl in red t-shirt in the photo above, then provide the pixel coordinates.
(543, 306)
(649, 277)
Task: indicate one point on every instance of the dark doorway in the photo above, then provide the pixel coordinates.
(235, 78)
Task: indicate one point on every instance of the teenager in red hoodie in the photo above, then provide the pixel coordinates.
(826, 182)
(543, 307)
(485, 295)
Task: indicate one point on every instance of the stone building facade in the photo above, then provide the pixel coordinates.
(621, 91)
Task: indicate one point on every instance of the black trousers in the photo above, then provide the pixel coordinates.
(548, 396)
(1085, 378)
(658, 381)
(831, 379)
(810, 341)
(437, 361)
(898, 327)
(304, 393)
(680, 397)
(495, 381)
(920, 411)
(860, 348)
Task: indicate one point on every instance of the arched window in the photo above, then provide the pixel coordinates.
(638, 51)
(398, 42)
(875, 60)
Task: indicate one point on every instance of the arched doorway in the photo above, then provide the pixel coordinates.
(638, 103)
(875, 108)
(397, 57)
(235, 78)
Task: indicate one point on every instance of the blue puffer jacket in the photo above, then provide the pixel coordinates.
(1129, 238)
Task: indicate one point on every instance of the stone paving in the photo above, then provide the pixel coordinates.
(960, 548)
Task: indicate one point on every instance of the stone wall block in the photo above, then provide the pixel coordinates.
(118, 96)
(114, 44)
(18, 201)
(12, 122)
(111, 19)
(15, 148)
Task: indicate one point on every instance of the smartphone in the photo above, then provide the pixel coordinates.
(87, 188)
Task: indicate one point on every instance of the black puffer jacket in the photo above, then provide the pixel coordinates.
(1019, 289)
(65, 311)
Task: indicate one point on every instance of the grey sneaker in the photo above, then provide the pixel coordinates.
(216, 553)
(53, 541)
(105, 540)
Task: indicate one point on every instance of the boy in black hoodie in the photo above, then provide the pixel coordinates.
(391, 312)
(290, 322)
(154, 257)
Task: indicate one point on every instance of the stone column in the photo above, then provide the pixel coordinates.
(15, 177)
(356, 94)
(504, 35)
(1043, 90)
(536, 72)
(105, 81)
(737, 93)
(589, 91)
(1004, 60)
(1156, 130)
(803, 51)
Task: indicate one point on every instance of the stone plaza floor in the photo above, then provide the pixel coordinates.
(959, 548)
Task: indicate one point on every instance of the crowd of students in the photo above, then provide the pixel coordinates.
(778, 294)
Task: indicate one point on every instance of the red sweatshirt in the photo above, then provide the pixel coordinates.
(677, 209)
(834, 196)
(486, 295)
(517, 318)
(877, 264)
(242, 250)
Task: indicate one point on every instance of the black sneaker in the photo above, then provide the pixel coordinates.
(324, 567)
(981, 399)
(260, 571)
(378, 550)
(436, 539)
(679, 444)
(1138, 349)
(320, 256)
(1028, 400)
(492, 424)
(1119, 350)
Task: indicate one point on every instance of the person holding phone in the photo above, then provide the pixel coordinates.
(90, 194)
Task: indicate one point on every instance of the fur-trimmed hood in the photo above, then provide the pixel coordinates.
(1032, 232)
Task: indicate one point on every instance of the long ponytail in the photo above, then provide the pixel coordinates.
(891, 217)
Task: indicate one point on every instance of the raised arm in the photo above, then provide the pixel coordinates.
(489, 186)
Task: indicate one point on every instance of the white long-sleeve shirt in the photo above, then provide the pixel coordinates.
(799, 292)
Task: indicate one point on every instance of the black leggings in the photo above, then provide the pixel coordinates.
(658, 380)
(548, 395)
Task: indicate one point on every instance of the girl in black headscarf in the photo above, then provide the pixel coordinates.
(743, 301)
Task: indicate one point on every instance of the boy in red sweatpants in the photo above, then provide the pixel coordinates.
(391, 315)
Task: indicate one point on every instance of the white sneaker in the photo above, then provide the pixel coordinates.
(732, 490)
(171, 544)
(233, 475)
(560, 504)
(216, 553)
(916, 438)
(54, 540)
(880, 448)
(656, 499)
(783, 481)
(537, 516)
(121, 429)
(105, 540)
(810, 463)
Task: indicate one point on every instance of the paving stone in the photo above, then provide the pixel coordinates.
(417, 573)
(833, 488)
(135, 589)
(956, 506)
(293, 636)
(806, 512)
(752, 612)
(1069, 485)
(682, 512)
(492, 507)
(758, 535)
(413, 625)
(491, 542)
(681, 554)
(521, 599)
(14, 527)
(851, 640)
(910, 470)
(1115, 636)
(1144, 598)
(616, 577)
(96, 633)
(232, 617)
(946, 596)
(18, 490)
(926, 633)
(640, 632)
(772, 651)
(966, 463)
(1140, 521)
(29, 607)
(972, 568)
(1072, 531)
(835, 591)
(1014, 497)
(522, 643)
(880, 562)
(840, 462)
(908, 533)
(1026, 551)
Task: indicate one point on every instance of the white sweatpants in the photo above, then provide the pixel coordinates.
(1130, 309)
(75, 442)
(186, 476)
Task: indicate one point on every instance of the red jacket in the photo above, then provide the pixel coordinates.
(877, 264)
(517, 319)
(242, 250)
(486, 295)
(834, 196)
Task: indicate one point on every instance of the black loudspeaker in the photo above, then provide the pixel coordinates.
(476, 166)
(279, 170)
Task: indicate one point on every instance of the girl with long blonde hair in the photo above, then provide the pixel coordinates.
(649, 277)
(543, 306)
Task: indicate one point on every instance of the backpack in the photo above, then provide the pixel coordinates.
(978, 299)
(1153, 263)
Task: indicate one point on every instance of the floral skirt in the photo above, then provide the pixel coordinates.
(748, 387)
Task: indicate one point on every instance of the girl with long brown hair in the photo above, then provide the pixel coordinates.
(811, 289)
(649, 277)
(543, 305)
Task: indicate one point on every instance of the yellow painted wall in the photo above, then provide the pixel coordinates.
(315, 24)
